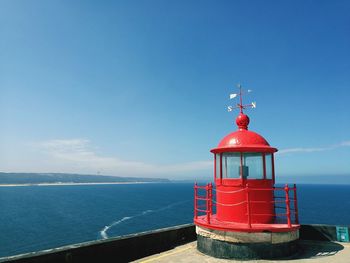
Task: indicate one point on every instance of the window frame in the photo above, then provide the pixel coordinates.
(263, 156)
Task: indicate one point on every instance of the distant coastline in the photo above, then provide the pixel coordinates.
(48, 179)
(65, 184)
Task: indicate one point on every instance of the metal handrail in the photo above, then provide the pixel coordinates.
(202, 198)
(287, 200)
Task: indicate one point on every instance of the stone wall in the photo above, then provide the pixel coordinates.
(132, 247)
(121, 249)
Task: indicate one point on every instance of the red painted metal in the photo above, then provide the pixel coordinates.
(243, 141)
(236, 227)
(282, 222)
(296, 212)
(208, 200)
(246, 202)
(242, 121)
(248, 207)
(286, 189)
(231, 191)
(195, 200)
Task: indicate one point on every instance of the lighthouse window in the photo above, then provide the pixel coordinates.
(231, 165)
(268, 162)
(217, 165)
(253, 166)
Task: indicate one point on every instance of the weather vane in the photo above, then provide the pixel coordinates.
(240, 105)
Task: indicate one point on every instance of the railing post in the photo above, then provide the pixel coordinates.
(208, 203)
(211, 198)
(275, 220)
(248, 206)
(195, 200)
(286, 189)
(296, 213)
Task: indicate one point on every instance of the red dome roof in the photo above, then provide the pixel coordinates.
(243, 140)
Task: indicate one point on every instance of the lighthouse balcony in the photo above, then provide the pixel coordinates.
(243, 210)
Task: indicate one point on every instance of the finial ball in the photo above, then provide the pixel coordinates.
(242, 121)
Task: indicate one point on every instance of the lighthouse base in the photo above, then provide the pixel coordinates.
(243, 245)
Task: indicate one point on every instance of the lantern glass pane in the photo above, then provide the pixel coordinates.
(231, 165)
(217, 156)
(253, 167)
(268, 165)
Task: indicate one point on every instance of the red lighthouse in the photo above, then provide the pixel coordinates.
(245, 216)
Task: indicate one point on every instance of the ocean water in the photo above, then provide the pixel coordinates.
(34, 218)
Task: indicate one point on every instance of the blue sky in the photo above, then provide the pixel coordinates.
(140, 88)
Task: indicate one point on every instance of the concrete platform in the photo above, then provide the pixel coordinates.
(310, 251)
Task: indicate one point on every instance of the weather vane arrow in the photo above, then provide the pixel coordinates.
(240, 105)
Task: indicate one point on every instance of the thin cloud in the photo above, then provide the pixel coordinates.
(77, 155)
(346, 143)
(316, 149)
(300, 149)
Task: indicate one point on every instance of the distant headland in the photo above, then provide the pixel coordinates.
(24, 179)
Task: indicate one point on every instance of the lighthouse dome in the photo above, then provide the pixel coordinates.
(243, 140)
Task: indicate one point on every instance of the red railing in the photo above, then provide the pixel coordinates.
(203, 203)
(207, 207)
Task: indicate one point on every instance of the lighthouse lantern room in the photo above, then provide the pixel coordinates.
(244, 215)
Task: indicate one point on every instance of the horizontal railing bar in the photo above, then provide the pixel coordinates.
(262, 214)
(261, 189)
(281, 202)
(202, 198)
(268, 189)
(281, 207)
(274, 215)
(204, 211)
(251, 188)
(201, 187)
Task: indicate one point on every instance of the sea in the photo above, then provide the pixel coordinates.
(34, 218)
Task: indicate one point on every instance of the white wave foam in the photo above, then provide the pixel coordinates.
(104, 234)
(147, 211)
